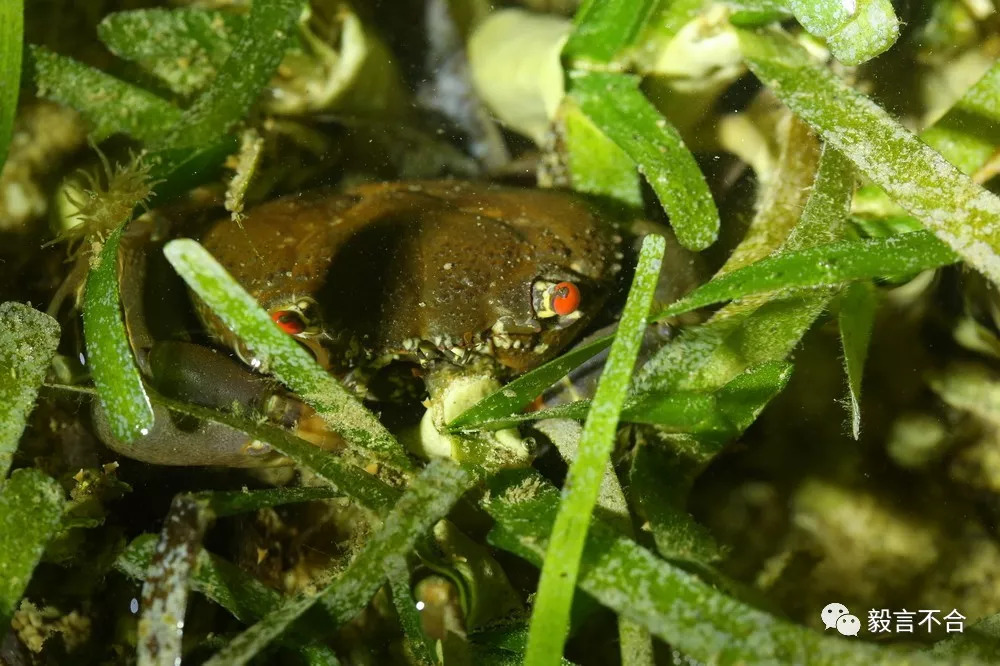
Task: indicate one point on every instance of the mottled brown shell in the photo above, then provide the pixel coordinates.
(446, 264)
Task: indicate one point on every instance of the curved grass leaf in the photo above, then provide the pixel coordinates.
(28, 340)
(688, 613)
(857, 316)
(109, 355)
(519, 393)
(618, 108)
(960, 212)
(550, 617)
(11, 36)
(596, 164)
(109, 104)
(855, 30)
(266, 34)
(31, 506)
(428, 499)
(286, 359)
(821, 266)
(183, 47)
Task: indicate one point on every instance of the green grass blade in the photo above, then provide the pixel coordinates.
(678, 607)
(960, 212)
(266, 35)
(968, 134)
(743, 399)
(596, 164)
(419, 647)
(821, 266)
(109, 355)
(28, 341)
(31, 506)
(742, 335)
(618, 108)
(604, 28)
(278, 351)
(684, 411)
(519, 393)
(11, 36)
(231, 503)
(660, 491)
(550, 617)
(157, 39)
(428, 499)
(856, 319)
(109, 104)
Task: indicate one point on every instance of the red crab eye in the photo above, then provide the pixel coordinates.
(289, 321)
(565, 298)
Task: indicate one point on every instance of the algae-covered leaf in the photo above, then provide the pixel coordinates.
(550, 616)
(109, 104)
(266, 34)
(962, 213)
(281, 354)
(30, 513)
(109, 355)
(614, 103)
(596, 164)
(856, 319)
(28, 342)
(519, 393)
(182, 47)
(821, 266)
(428, 498)
(675, 605)
(855, 30)
(745, 334)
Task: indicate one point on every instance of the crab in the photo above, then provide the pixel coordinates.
(458, 284)
(422, 272)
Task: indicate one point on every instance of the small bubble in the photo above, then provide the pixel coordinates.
(133, 606)
(144, 431)
(420, 605)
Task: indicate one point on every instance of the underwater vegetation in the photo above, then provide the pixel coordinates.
(467, 332)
